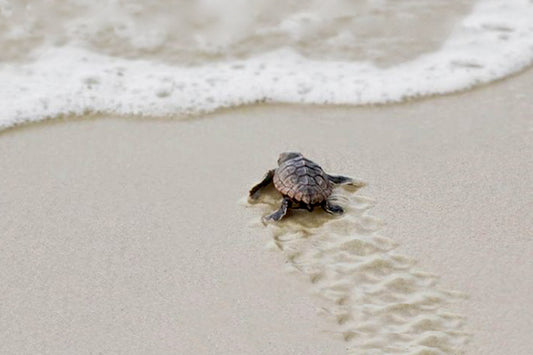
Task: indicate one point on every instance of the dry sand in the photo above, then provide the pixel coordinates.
(126, 235)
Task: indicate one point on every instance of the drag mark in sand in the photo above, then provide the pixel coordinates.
(379, 301)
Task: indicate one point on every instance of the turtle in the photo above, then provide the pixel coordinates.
(303, 184)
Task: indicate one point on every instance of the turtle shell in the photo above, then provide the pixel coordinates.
(303, 181)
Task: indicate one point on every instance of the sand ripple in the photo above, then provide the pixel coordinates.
(380, 301)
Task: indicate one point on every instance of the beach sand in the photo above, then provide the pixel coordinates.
(126, 235)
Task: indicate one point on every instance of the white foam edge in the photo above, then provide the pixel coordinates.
(494, 41)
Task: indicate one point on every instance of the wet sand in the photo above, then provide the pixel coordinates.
(126, 235)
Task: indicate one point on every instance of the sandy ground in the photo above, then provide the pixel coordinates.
(126, 235)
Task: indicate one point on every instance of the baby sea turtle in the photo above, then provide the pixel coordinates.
(303, 184)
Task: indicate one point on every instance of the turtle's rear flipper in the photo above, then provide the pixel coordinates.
(254, 191)
(279, 214)
(331, 208)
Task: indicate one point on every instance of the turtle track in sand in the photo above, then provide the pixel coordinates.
(379, 302)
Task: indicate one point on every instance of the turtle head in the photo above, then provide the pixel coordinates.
(283, 157)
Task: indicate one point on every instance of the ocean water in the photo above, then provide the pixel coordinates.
(174, 58)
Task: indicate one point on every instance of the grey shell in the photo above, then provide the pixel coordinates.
(303, 181)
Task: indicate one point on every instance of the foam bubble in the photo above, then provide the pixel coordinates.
(495, 40)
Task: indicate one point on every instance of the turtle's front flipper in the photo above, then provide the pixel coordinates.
(254, 191)
(276, 216)
(344, 180)
(332, 208)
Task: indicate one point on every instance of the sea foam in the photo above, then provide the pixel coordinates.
(493, 41)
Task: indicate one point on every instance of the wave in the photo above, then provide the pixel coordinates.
(493, 41)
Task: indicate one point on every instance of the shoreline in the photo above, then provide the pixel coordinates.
(265, 105)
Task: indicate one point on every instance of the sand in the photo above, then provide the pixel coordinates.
(125, 235)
